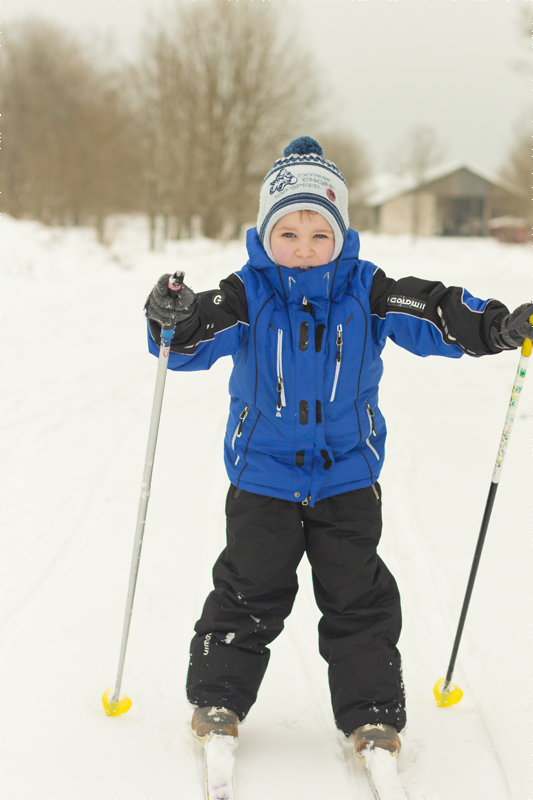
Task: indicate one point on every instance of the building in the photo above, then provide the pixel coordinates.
(452, 200)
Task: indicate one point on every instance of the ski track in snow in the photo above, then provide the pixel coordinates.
(74, 435)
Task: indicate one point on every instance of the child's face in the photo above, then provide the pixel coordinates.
(302, 239)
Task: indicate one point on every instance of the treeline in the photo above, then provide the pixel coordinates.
(185, 135)
(68, 152)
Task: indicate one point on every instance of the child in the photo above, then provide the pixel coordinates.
(305, 321)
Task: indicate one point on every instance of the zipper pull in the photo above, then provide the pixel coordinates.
(280, 395)
(307, 500)
(371, 417)
(339, 343)
(242, 417)
(306, 306)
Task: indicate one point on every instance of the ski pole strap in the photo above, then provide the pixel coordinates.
(520, 377)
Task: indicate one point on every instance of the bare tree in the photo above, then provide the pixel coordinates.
(517, 170)
(68, 142)
(37, 118)
(350, 155)
(218, 91)
(518, 167)
(111, 163)
(420, 151)
(414, 159)
(187, 135)
(524, 25)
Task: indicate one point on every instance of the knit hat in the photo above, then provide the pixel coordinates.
(303, 180)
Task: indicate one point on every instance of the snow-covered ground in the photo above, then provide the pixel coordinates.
(78, 386)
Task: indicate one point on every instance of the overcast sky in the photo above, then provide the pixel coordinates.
(387, 65)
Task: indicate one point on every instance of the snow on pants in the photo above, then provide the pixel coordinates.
(255, 587)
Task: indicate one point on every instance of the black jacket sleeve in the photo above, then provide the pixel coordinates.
(461, 320)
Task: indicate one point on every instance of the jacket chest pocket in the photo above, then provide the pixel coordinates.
(346, 347)
(288, 353)
(274, 369)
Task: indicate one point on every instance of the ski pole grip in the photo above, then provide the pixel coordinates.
(175, 282)
(527, 346)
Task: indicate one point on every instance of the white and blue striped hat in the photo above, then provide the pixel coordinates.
(303, 180)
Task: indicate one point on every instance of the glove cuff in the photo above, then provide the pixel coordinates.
(501, 339)
(510, 341)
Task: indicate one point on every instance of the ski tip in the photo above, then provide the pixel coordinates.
(446, 695)
(382, 772)
(114, 708)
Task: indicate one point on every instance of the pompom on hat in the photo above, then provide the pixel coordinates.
(303, 180)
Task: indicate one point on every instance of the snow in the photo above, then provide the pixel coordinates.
(75, 423)
(382, 768)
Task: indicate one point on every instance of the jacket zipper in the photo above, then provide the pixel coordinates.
(372, 431)
(338, 360)
(280, 388)
(238, 429)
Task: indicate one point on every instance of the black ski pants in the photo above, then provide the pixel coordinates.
(255, 584)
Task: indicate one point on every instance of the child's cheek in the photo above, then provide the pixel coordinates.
(281, 254)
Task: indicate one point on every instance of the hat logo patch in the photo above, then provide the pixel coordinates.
(331, 195)
(283, 178)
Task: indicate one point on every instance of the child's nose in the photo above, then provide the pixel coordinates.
(305, 247)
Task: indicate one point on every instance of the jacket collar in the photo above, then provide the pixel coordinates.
(318, 284)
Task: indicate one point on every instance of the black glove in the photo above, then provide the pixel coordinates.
(169, 306)
(511, 330)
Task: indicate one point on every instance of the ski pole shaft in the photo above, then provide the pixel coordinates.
(175, 283)
(142, 509)
(470, 586)
(504, 441)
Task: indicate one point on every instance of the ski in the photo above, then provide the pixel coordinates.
(382, 773)
(219, 761)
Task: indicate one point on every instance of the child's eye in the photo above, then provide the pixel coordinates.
(287, 235)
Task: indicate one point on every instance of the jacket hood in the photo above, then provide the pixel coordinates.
(316, 284)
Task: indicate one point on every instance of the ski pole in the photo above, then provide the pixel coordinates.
(113, 703)
(446, 693)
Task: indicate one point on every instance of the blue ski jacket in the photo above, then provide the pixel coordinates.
(304, 420)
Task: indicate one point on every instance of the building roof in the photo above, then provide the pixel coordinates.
(387, 186)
